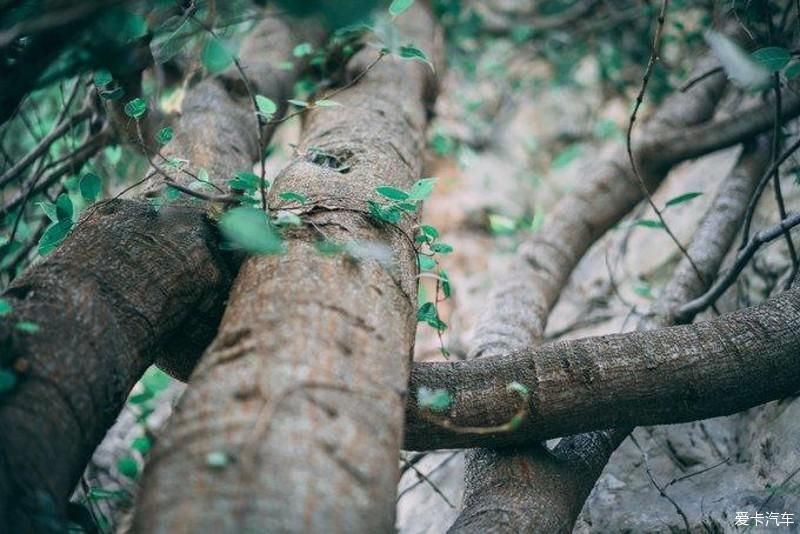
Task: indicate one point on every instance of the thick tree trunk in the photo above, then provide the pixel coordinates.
(130, 285)
(300, 397)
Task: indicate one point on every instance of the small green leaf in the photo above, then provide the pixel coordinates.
(5, 307)
(391, 193)
(53, 236)
(324, 103)
(680, 199)
(437, 400)
(408, 207)
(217, 459)
(141, 444)
(102, 77)
(441, 248)
(266, 107)
(298, 103)
(772, 57)
(388, 214)
(293, 197)
(426, 263)
(445, 280)
(216, 56)
(136, 108)
(649, 223)
(164, 135)
(8, 379)
(28, 327)
(427, 313)
(792, 71)
(128, 467)
(90, 186)
(49, 209)
(422, 189)
(566, 156)
(516, 387)
(249, 229)
(412, 52)
(302, 50)
(429, 231)
(399, 6)
(245, 181)
(64, 209)
(501, 225)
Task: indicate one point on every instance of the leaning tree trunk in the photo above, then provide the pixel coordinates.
(130, 285)
(519, 308)
(293, 419)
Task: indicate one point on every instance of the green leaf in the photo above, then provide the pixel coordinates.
(388, 214)
(445, 280)
(422, 189)
(141, 444)
(408, 207)
(680, 199)
(426, 263)
(90, 186)
(740, 66)
(412, 52)
(136, 108)
(427, 313)
(516, 387)
(28, 327)
(245, 181)
(437, 400)
(298, 103)
(248, 228)
(302, 50)
(216, 56)
(293, 197)
(164, 135)
(649, 223)
(266, 107)
(399, 6)
(441, 248)
(8, 379)
(391, 193)
(155, 380)
(49, 209)
(64, 209)
(5, 307)
(324, 103)
(772, 57)
(429, 231)
(792, 71)
(501, 225)
(102, 77)
(217, 459)
(53, 236)
(128, 467)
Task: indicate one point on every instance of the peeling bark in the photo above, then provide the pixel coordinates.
(130, 285)
(303, 389)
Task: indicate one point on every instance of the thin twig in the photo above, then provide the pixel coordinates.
(628, 141)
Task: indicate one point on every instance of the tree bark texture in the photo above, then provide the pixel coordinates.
(519, 307)
(302, 391)
(130, 285)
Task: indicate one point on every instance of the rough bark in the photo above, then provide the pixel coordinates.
(130, 285)
(625, 380)
(518, 308)
(302, 391)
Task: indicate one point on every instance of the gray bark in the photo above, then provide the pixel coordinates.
(303, 389)
(130, 285)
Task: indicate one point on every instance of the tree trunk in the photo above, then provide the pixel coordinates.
(130, 285)
(293, 419)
